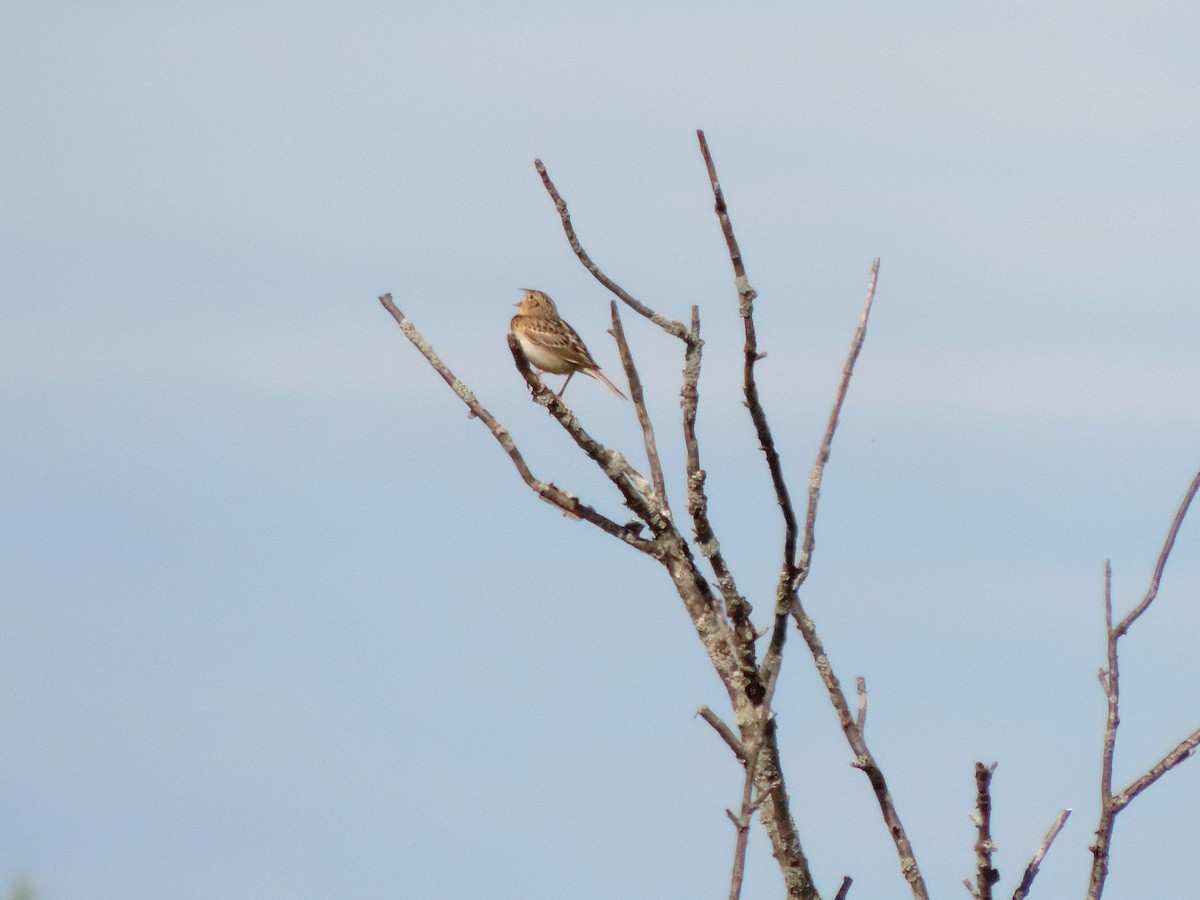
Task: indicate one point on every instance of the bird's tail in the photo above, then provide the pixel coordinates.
(600, 376)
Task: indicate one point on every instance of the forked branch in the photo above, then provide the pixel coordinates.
(1110, 680)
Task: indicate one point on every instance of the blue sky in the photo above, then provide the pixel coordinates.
(280, 622)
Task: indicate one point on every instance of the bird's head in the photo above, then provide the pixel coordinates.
(535, 303)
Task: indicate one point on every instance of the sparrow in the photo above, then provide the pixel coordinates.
(552, 345)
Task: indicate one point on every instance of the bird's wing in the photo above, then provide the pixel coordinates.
(560, 338)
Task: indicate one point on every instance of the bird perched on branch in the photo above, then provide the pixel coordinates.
(552, 345)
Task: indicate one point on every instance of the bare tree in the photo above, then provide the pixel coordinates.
(721, 616)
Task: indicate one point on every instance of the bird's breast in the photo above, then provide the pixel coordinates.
(544, 358)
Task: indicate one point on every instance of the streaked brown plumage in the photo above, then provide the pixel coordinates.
(552, 345)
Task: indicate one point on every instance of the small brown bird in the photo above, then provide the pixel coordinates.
(551, 344)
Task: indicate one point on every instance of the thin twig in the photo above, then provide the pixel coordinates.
(863, 758)
(750, 358)
(985, 875)
(666, 323)
(860, 720)
(854, 736)
(1034, 864)
(1156, 578)
(804, 564)
(844, 890)
(724, 731)
(799, 572)
(639, 404)
(553, 495)
(1182, 751)
(741, 822)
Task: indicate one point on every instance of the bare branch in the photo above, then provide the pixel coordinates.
(786, 601)
(863, 758)
(1182, 751)
(1034, 864)
(844, 890)
(860, 721)
(639, 404)
(985, 875)
(553, 495)
(751, 356)
(632, 485)
(741, 823)
(736, 606)
(798, 570)
(689, 397)
(1110, 681)
(724, 731)
(666, 323)
(1156, 578)
(697, 499)
(776, 814)
(773, 658)
(818, 470)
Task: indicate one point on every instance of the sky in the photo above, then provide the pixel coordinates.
(279, 621)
